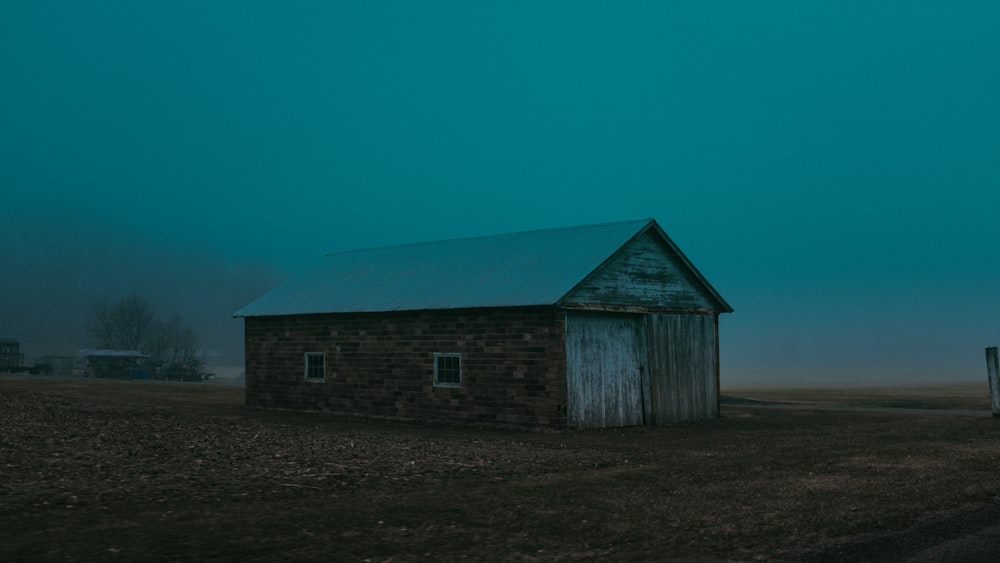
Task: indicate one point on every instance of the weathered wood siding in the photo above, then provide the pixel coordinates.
(683, 366)
(604, 367)
(643, 273)
(631, 369)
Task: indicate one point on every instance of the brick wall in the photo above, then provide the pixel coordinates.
(513, 364)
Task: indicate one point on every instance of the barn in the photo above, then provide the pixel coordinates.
(587, 327)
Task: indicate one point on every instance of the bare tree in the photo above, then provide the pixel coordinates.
(173, 343)
(127, 325)
(130, 324)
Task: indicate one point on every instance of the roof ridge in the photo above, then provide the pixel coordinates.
(496, 235)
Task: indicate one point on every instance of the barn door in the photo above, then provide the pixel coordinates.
(682, 368)
(604, 370)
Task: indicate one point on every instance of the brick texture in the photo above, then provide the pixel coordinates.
(382, 364)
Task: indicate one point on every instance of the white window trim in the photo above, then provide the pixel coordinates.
(437, 355)
(306, 366)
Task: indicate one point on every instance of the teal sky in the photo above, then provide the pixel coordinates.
(833, 168)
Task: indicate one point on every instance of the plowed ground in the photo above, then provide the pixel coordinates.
(107, 470)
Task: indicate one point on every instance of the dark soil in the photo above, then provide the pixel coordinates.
(103, 470)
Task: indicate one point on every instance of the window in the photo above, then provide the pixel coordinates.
(447, 369)
(315, 366)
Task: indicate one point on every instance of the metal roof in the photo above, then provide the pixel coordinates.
(519, 269)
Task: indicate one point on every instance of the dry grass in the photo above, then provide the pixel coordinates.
(101, 470)
(965, 395)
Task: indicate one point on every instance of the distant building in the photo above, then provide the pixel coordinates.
(588, 327)
(114, 364)
(11, 358)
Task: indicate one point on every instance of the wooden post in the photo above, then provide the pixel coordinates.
(993, 372)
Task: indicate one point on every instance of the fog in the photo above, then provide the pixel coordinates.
(831, 168)
(59, 266)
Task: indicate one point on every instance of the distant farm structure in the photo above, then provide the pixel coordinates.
(11, 358)
(132, 364)
(114, 364)
(100, 363)
(587, 327)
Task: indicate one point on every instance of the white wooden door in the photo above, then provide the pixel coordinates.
(604, 370)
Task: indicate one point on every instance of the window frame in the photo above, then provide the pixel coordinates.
(308, 368)
(438, 368)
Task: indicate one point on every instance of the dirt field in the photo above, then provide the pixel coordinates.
(102, 470)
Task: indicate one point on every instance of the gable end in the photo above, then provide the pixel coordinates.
(648, 272)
